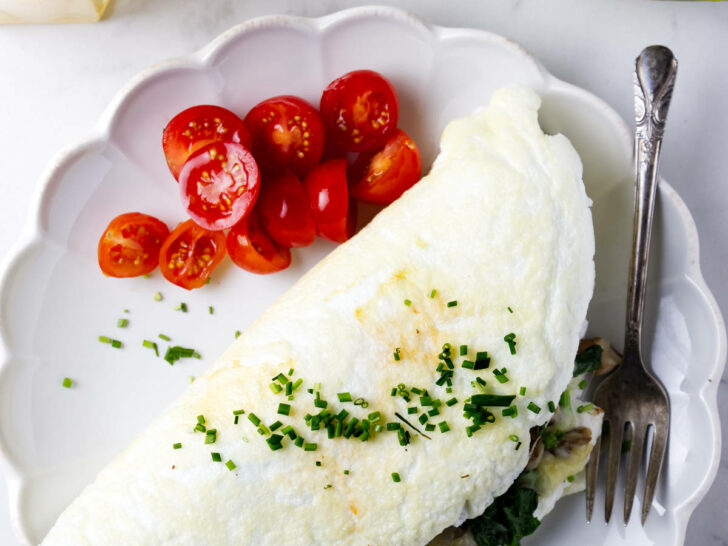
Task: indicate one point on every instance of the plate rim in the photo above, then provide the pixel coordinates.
(100, 134)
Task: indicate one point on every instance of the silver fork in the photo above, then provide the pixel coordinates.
(633, 398)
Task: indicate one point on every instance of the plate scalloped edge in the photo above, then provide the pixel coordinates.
(101, 133)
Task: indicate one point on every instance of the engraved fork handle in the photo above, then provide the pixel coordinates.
(654, 78)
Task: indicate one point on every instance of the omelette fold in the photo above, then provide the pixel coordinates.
(391, 392)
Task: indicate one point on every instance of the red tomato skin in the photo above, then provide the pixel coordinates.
(285, 211)
(219, 184)
(122, 240)
(383, 176)
(198, 126)
(360, 110)
(252, 249)
(288, 135)
(328, 194)
(189, 266)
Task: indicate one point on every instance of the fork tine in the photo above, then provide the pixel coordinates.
(616, 430)
(659, 442)
(592, 471)
(633, 466)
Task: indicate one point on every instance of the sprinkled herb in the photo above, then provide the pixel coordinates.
(328, 486)
(211, 436)
(67, 382)
(298, 442)
(523, 391)
(411, 410)
(510, 310)
(276, 425)
(178, 445)
(216, 458)
(320, 403)
(492, 400)
(570, 479)
(274, 442)
(463, 350)
(396, 478)
(500, 376)
(423, 418)
(397, 354)
(361, 402)
(452, 303)
(394, 391)
(552, 406)
(533, 407)
(433, 293)
(116, 344)
(284, 409)
(310, 447)
(181, 307)
(164, 338)
(510, 412)
(126, 310)
(468, 364)
(408, 302)
(158, 296)
(582, 384)
(122, 323)
(346, 472)
(275, 387)
(231, 465)
(585, 407)
(429, 427)
(511, 340)
(211, 310)
(318, 463)
(238, 412)
(173, 354)
(444, 427)
(344, 397)
(452, 401)
(393, 426)
(237, 334)
(253, 418)
(151, 345)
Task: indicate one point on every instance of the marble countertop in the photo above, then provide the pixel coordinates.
(56, 81)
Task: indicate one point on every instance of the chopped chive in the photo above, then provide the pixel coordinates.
(104, 339)
(201, 419)
(200, 427)
(211, 310)
(231, 465)
(284, 409)
(237, 334)
(452, 401)
(328, 486)
(178, 445)
(122, 323)
(394, 391)
(444, 427)
(452, 303)
(344, 396)
(518, 446)
(585, 407)
(320, 403)
(126, 310)
(211, 436)
(534, 408)
(253, 418)
(397, 354)
(552, 406)
(181, 307)
(429, 427)
(396, 478)
(235, 421)
(158, 296)
(164, 338)
(500, 376)
(411, 410)
(448, 390)
(513, 438)
(463, 350)
(510, 310)
(468, 364)
(151, 345)
(361, 402)
(492, 400)
(374, 416)
(298, 442)
(318, 463)
(510, 339)
(346, 472)
(523, 391)
(216, 458)
(310, 447)
(408, 302)
(423, 418)
(116, 344)
(510, 412)
(570, 479)
(433, 293)
(276, 425)
(67, 382)
(565, 400)
(393, 426)
(275, 387)
(582, 384)
(238, 412)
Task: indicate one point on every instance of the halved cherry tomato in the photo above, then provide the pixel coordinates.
(130, 245)
(328, 194)
(360, 110)
(285, 212)
(250, 247)
(382, 177)
(219, 185)
(287, 134)
(190, 253)
(198, 126)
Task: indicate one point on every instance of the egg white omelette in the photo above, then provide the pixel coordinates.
(492, 252)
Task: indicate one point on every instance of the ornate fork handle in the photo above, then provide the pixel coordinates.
(654, 79)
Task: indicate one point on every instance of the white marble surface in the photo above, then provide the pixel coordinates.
(56, 80)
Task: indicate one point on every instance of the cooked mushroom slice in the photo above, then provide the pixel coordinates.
(578, 436)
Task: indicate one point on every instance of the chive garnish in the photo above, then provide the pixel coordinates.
(237, 334)
(181, 307)
(534, 408)
(582, 384)
(552, 406)
(178, 445)
(104, 339)
(320, 403)
(284, 409)
(510, 339)
(310, 447)
(510, 310)
(344, 397)
(346, 472)
(411, 410)
(374, 416)
(238, 412)
(298, 442)
(211, 310)
(231, 465)
(116, 344)
(523, 391)
(444, 427)
(122, 323)
(211, 436)
(158, 296)
(276, 425)
(173, 354)
(585, 407)
(463, 350)
(318, 463)
(164, 338)
(253, 418)
(433, 293)
(216, 458)
(151, 345)
(452, 401)
(452, 303)
(423, 418)
(498, 400)
(396, 478)
(468, 364)
(67, 382)
(513, 438)
(565, 400)
(429, 427)
(397, 354)
(500, 376)
(408, 302)
(406, 422)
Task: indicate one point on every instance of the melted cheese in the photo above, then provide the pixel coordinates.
(502, 220)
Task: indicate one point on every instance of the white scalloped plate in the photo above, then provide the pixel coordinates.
(54, 302)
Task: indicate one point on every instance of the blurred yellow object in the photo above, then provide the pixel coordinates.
(51, 11)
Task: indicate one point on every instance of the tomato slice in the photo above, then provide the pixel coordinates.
(129, 246)
(287, 134)
(219, 185)
(251, 248)
(285, 212)
(360, 110)
(328, 194)
(198, 126)
(383, 176)
(190, 253)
